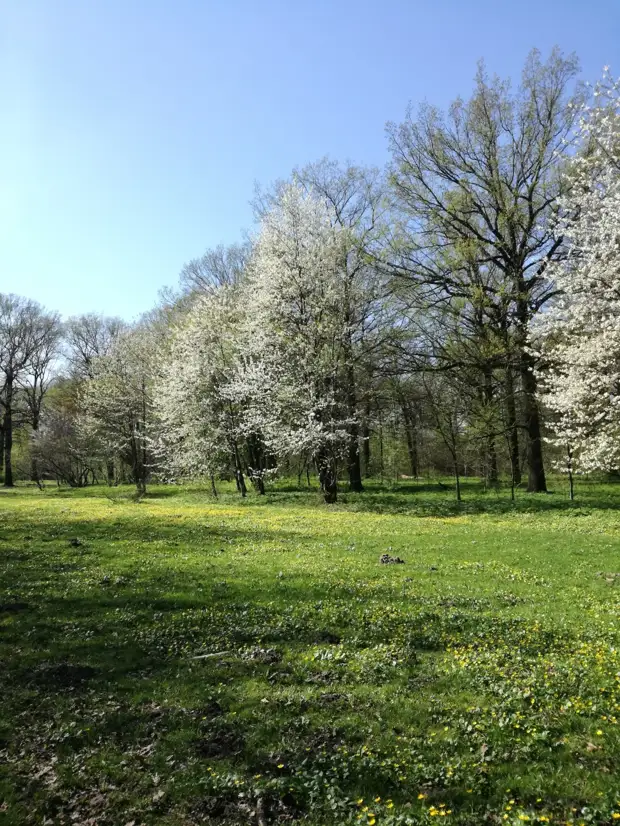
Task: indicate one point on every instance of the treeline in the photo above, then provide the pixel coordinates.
(376, 323)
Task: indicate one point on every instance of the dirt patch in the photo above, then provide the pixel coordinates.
(220, 742)
(13, 607)
(62, 675)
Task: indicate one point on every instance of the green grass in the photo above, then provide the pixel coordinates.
(477, 683)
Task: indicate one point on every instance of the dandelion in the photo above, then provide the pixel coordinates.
(421, 796)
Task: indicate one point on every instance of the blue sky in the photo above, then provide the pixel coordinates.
(133, 130)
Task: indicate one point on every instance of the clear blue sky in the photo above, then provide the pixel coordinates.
(133, 130)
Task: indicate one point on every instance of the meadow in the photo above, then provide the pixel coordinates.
(182, 660)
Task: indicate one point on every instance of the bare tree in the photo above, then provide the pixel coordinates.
(38, 380)
(28, 338)
(88, 337)
(220, 266)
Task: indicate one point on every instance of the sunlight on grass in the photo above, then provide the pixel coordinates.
(182, 660)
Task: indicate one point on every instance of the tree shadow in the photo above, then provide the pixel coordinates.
(118, 661)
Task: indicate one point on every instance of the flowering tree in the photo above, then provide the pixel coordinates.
(200, 419)
(292, 374)
(355, 205)
(580, 336)
(117, 404)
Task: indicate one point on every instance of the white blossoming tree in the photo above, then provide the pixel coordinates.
(292, 371)
(200, 421)
(117, 404)
(580, 336)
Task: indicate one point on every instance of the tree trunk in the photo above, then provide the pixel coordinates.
(328, 477)
(491, 462)
(354, 463)
(241, 483)
(257, 463)
(8, 434)
(213, 488)
(412, 439)
(137, 469)
(366, 441)
(512, 426)
(143, 454)
(239, 479)
(381, 463)
(457, 479)
(34, 470)
(139, 477)
(355, 467)
(536, 482)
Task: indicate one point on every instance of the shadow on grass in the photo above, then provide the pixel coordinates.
(438, 499)
(127, 668)
(418, 498)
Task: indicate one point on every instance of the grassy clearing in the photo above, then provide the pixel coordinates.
(479, 682)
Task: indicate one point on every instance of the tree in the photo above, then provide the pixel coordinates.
(88, 337)
(28, 339)
(200, 431)
(579, 338)
(354, 200)
(59, 448)
(293, 374)
(218, 267)
(448, 411)
(488, 174)
(117, 403)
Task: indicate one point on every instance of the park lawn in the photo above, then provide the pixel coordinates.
(180, 660)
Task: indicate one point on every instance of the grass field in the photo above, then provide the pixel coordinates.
(183, 661)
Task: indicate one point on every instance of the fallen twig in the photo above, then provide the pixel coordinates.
(260, 812)
(208, 656)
